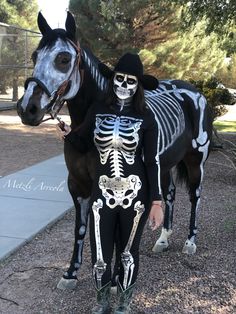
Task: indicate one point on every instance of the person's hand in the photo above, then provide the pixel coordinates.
(63, 130)
(156, 215)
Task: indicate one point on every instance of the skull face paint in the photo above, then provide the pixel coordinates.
(125, 85)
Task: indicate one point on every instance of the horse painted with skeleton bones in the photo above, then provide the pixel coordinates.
(65, 72)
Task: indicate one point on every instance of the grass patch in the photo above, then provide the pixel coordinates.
(225, 126)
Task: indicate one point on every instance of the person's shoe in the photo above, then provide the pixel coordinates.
(125, 297)
(103, 300)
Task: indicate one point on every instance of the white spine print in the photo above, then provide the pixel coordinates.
(164, 103)
(116, 164)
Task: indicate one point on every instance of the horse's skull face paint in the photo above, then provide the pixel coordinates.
(125, 85)
(54, 65)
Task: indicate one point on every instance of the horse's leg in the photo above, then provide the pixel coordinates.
(69, 279)
(194, 162)
(168, 191)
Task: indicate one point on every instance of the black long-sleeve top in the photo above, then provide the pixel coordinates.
(126, 142)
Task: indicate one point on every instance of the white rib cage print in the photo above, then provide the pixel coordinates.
(116, 137)
(169, 115)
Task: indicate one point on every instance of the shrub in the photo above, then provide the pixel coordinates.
(216, 94)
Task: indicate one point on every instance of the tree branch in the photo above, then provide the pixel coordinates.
(8, 300)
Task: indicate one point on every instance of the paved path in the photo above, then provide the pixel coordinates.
(31, 199)
(7, 105)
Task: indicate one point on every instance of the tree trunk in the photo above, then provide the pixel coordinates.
(15, 89)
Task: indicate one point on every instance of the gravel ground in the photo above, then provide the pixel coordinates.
(168, 283)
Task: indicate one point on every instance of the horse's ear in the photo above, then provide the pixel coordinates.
(70, 26)
(43, 25)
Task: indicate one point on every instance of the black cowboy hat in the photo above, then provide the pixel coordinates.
(131, 64)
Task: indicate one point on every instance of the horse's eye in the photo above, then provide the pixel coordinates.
(65, 60)
(62, 61)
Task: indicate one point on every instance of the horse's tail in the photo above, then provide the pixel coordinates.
(182, 173)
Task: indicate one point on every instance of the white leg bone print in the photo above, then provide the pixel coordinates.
(126, 257)
(100, 266)
(162, 243)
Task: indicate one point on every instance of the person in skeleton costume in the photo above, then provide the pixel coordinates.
(127, 185)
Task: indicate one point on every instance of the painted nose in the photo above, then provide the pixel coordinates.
(32, 109)
(32, 115)
(124, 84)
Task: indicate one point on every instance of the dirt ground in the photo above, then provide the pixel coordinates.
(168, 283)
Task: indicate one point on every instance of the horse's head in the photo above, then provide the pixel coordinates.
(56, 75)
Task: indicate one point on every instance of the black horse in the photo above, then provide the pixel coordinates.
(66, 72)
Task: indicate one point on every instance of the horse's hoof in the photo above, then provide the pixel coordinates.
(160, 247)
(67, 284)
(189, 248)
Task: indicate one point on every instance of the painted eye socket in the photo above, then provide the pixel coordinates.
(62, 61)
(120, 78)
(131, 81)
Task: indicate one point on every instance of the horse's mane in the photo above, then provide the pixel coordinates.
(87, 52)
(91, 63)
(90, 91)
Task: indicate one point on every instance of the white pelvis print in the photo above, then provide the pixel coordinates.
(116, 139)
(119, 191)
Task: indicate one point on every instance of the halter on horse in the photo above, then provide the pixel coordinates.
(65, 72)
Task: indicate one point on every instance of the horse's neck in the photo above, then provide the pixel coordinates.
(93, 85)
(77, 110)
(79, 105)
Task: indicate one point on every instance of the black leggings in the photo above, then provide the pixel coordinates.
(130, 223)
